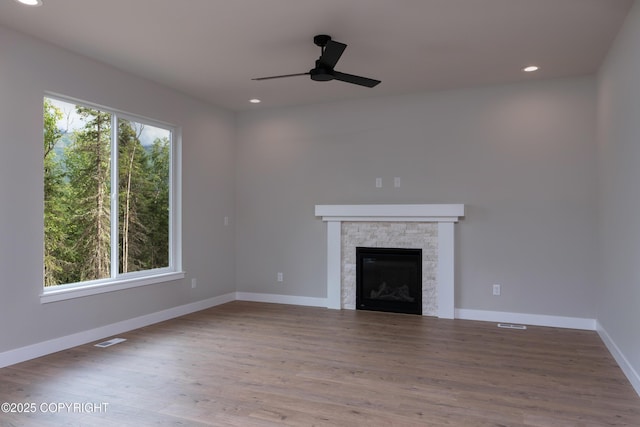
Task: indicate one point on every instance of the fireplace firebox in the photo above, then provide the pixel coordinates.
(389, 279)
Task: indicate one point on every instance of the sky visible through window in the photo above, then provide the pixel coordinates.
(71, 121)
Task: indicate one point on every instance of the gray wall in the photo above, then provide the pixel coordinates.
(618, 308)
(522, 158)
(29, 68)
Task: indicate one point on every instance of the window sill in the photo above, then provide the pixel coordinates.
(53, 295)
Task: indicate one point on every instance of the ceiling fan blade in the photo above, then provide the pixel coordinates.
(332, 53)
(282, 76)
(358, 80)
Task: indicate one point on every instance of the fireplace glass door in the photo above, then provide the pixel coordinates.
(389, 279)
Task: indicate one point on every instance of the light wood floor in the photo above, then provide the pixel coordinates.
(251, 364)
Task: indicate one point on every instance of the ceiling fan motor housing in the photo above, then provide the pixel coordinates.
(320, 73)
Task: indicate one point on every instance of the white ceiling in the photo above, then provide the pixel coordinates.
(211, 49)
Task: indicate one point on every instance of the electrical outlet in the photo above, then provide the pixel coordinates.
(280, 278)
(496, 289)
(378, 182)
(194, 283)
(396, 182)
(226, 221)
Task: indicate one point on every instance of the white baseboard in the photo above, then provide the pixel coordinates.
(627, 368)
(527, 319)
(51, 346)
(281, 299)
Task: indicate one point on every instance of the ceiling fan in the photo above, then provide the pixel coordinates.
(331, 51)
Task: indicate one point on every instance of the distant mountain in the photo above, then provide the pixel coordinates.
(65, 140)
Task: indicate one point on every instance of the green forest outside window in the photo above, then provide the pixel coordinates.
(108, 187)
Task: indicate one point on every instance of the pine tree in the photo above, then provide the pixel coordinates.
(158, 204)
(54, 199)
(132, 183)
(88, 165)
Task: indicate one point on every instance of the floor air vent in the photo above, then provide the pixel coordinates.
(111, 342)
(511, 326)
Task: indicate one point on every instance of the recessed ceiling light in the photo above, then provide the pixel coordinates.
(530, 69)
(30, 2)
(255, 101)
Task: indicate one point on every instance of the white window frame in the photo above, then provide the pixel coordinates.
(119, 281)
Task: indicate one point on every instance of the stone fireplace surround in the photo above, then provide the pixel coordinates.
(406, 235)
(444, 215)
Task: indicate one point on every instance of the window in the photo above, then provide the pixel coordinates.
(110, 211)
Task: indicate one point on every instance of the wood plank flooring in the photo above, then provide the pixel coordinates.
(252, 364)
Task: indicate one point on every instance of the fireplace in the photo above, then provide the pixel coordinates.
(438, 266)
(389, 279)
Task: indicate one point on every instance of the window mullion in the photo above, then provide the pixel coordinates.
(115, 256)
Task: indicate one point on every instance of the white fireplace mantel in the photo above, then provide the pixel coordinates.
(444, 214)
